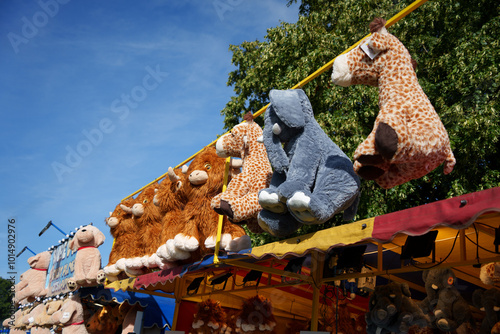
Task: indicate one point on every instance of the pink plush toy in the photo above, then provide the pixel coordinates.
(32, 282)
(240, 201)
(408, 139)
(88, 258)
(70, 316)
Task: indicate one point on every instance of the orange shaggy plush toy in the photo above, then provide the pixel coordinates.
(171, 200)
(240, 202)
(88, 258)
(32, 282)
(147, 218)
(124, 232)
(210, 318)
(196, 229)
(408, 139)
(256, 316)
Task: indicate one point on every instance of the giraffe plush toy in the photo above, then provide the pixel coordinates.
(408, 139)
(240, 202)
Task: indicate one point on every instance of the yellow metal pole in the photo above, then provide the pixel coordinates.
(311, 77)
(221, 217)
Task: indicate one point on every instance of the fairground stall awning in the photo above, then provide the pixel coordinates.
(298, 274)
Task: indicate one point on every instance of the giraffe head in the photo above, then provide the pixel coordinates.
(377, 56)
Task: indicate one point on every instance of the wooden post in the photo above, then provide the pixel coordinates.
(318, 260)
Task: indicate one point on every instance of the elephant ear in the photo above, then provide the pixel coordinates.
(287, 105)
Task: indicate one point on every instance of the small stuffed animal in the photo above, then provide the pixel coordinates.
(32, 282)
(210, 318)
(490, 273)
(88, 258)
(196, 229)
(256, 316)
(70, 316)
(240, 201)
(392, 310)
(446, 307)
(488, 301)
(408, 139)
(313, 179)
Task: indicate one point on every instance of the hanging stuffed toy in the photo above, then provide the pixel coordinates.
(444, 304)
(32, 282)
(313, 179)
(195, 231)
(124, 231)
(88, 258)
(408, 139)
(256, 316)
(147, 219)
(392, 310)
(210, 318)
(488, 301)
(71, 316)
(240, 201)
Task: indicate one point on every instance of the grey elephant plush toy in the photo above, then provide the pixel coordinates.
(313, 179)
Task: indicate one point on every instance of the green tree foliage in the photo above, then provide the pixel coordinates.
(5, 299)
(455, 43)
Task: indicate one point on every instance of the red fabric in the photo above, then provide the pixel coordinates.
(86, 247)
(39, 269)
(457, 212)
(76, 323)
(158, 277)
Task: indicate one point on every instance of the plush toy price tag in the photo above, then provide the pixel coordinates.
(366, 49)
(66, 315)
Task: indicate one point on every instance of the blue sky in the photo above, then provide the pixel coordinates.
(99, 98)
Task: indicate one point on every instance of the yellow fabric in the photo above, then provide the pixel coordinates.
(322, 240)
(123, 285)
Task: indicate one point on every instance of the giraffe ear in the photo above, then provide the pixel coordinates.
(378, 42)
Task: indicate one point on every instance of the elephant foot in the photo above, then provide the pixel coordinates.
(370, 172)
(270, 201)
(299, 206)
(278, 225)
(386, 140)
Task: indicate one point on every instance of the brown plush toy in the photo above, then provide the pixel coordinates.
(256, 316)
(32, 282)
(210, 318)
(171, 200)
(107, 319)
(88, 258)
(147, 218)
(240, 202)
(124, 230)
(70, 316)
(196, 229)
(408, 139)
